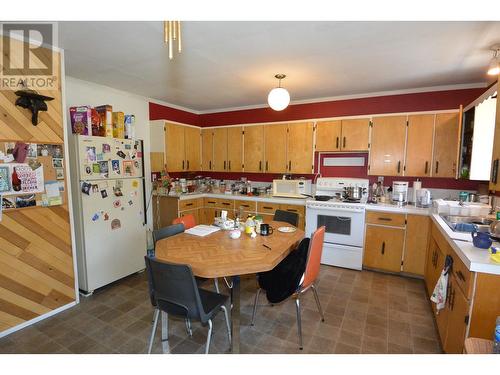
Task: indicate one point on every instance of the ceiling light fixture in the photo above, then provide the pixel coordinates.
(494, 68)
(278, 98)
(172, 33)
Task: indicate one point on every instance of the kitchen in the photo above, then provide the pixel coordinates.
(402, 179)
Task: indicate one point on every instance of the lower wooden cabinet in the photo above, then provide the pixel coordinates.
(416, 242)
(458, 318)
(383, 248)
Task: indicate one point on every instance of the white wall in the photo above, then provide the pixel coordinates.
(80, 92)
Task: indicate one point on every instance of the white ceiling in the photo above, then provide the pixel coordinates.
(232, 64)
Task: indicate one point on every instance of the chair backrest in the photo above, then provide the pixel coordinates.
(291, 218)
(165, 232)
(174, 289)
(314, 257)
(188, 221)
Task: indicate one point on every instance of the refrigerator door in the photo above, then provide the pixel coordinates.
(103, 158)
(113, 232)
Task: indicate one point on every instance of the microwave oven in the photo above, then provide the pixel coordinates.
(291, 188)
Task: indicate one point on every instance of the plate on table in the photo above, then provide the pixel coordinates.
(287, 229)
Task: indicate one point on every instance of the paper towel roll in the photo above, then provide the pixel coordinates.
(417, 185)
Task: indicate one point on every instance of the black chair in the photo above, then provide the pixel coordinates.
(171, 230)
(291, 218)
(175, 292)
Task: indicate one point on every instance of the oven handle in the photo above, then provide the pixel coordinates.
(341, 218)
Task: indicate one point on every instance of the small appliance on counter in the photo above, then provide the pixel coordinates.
(400, 193)
(292, 188)
(423, 198)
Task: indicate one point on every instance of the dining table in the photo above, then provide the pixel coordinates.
(218, 255)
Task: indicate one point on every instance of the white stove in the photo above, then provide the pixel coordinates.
(344, 221)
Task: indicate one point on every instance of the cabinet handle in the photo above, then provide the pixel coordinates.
(260, 165)
(224, 165)
(189, 204)
(437, 167)
(289, 165)
(187, 164)
(183, 164)
(399, 166)
(267, 165)
(384, 219)
(291, 210)
(210, 165)
(383, 248)
(211, 202)
(337, 147)
(226, 204)
(267, 208)
(448, 295)
(244, 205)
(426, 167)
(460, 275)
(343, 143)
(229, 164)
(452, 299)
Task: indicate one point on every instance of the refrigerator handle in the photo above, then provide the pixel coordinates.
(144, 202)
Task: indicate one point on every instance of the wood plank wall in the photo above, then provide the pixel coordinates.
(36, 262)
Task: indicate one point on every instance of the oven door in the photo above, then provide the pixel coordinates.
(342, 226)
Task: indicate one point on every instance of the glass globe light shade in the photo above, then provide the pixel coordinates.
(278, 98)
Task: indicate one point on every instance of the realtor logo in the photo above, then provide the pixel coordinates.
(27, 56)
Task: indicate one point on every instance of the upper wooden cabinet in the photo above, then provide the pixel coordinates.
(192, 148)
(276, 137)
(234, 149)
(328, 135)
(174, 143)
(300, 148)
(387, 146)
(419, 145)
(343, 135)
(207, 145)
(220, 149)
(446, 145)
(253, 148)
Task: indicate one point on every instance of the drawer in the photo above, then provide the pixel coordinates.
(300, 210)
(189, 204)
(248, 206)
(210, 202)
(267, 208)
(463, 276)
(385, 218)
(225, 204)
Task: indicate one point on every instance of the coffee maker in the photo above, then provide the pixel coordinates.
(400, 193)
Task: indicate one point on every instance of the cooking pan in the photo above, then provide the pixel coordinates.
(322, 198)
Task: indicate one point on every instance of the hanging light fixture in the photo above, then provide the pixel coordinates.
(172, 33)
(494, 68)
(278, 98)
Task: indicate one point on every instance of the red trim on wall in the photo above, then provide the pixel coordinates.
(161, 112)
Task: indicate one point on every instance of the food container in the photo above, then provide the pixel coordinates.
(106, 114)
(80, 119)
(118, 125)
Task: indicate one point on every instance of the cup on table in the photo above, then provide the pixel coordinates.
(266, 229)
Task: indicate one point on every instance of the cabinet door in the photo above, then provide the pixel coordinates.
(220, 149)
(174, 142)
(234, 149)
(383, 248)
(419, 145)
(355, 134)
(300, 147)
(433, 265)
(253, 148)
(192, 147)
(446, 143)
(416, 243)
(458, 310)
(328, 135)
(387, 146)
(276, 139)
(207, 145)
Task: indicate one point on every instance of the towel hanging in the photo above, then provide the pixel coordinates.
(441, 289)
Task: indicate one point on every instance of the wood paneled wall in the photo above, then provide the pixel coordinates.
(36, 262)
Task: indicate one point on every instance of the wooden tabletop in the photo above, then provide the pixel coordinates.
(218, 255)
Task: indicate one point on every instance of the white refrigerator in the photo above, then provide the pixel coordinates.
(109, 209)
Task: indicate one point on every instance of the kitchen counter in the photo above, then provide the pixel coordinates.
(407, 209)
(253, 198)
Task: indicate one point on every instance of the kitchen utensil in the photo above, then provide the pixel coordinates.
(353, 192)
(481, 240)
(322, 198)
(266, 229)
(473, 197)
(287, 229)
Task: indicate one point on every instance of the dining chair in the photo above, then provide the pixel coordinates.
(188, 221)
(267, 281)
(175, 293)
(168, 231)
(291, 218)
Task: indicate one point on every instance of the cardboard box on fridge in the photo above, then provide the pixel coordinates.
(80, 119)
(106, 111)
(118, 125)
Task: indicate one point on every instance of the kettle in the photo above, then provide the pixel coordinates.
(423, 198)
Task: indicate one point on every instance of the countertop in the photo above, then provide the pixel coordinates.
(254, 198)
(407, 209)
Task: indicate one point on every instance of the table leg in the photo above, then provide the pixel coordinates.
(235, 315)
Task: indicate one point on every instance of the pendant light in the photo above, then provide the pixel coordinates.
(172, 34)
(494, 68)
(278, 98)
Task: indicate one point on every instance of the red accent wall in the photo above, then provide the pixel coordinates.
(161, 112)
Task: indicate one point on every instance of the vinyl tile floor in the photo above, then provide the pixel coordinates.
(365, 312)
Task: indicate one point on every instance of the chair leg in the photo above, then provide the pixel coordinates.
(317, 302)
(188, 327)
(209, 336)
(164, 332)
(216, 284)
(299, 321)
(153, 331)
(255, 306)
(224, 308)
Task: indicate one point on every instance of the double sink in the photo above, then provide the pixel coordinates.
(467, 223)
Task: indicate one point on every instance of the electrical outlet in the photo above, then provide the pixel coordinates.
(380, 179)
